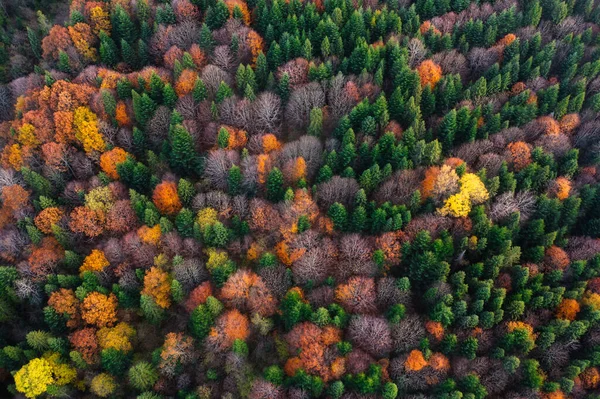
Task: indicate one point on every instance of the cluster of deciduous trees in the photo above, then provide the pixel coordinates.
(294, 199)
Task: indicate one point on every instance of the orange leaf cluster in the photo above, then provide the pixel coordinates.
(357, 295)
(569, 123)
(506, 40)
(121, 114)
(428, 182)
(87, 221)
(83, 40)
(57, 40)
(46, 218)
(150, 235)
(561, 188)
(567, 309)
(84, 341)
(14, 199)
(230, 326)
(157, 285)
(94, 262)
(55, 156)
(64, 301)
(520, 154)
(231, 4)
(185, 83)
(256, 44)
(270, 143)
(100, 20)
(110, 159)
(549, 125)
(99, 310)
(198, 296)
(435, 328)
(429, 72)
(556, 258)
(44, 259)
(310, 343)
(166, 199)
(415, 361)
(426, 26)
(117, 337)
(247, 291)
(590, 378)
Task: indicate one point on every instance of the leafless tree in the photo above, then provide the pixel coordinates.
(399, 188)
(262, 389)
(212, 76)
(469, 152)
(337, 189)
(582, 248)
(480, 59)
(277, 279)
(371, 334)
(307, 147)
(416, 52)
(338, 99)
(8, 177)
(491, 162)
(354, 257)
(217, 167)
(157, 129)
(408, 333)
(452, 62)
(506, 204)
(558, 145)
(249, 174)
(296, 69)
(223, 58)
(267, 114)
(358, 361)
(190, 273)
(321, 296)
(301, 102)
(312, 266)
(388, 293)
(184, 34)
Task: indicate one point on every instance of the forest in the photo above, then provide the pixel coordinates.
(295, 199)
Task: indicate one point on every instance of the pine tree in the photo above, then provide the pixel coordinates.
(234, 180)
(34, 43)
(128, 54)
(275, 186)
(447, 130)
(223, 92)
(339, 216)
(262, 70)
(223, 138)
(217, 15)
(143, 107)
(182, 158)
(64, 64)
(169, 95)
(200, 92)
(315, 126)
(284, 87)
(206, 41)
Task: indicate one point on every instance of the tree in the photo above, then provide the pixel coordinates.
(99, 309)
(275, 187)
(142, 376)
(166, 198)
(430, 73)
(217, 15)
(338, 214)
(447, 131)
(34, 378)
(182, 157)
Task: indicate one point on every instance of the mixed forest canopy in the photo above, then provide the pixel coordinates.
(294, 199)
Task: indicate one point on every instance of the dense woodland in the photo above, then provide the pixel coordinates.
(273, 199)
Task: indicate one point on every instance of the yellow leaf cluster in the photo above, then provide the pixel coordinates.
(94, 262)
(474, 187)
(99, 199)
(591, 299)
(86, 130)
(206, 217)
(458, 205)
(100, 20)
(34, 377)
(472, 191)
(215, 258)
(150, 235)
(63, 374)
(103, 384)
(158, 286)
(27, 135)
(117, 337)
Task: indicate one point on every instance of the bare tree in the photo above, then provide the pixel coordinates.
(301, 102)
(371, 334)
(217, 167)
(416, 52)
(354, 257)
(212, 76)
(190, 273)
(338, 99)
(307, 147)
(506, 204)
(408, 333)
(267, 114)
(337, 189)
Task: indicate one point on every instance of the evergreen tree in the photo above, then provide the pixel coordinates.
(275, 186)
(182, 158)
